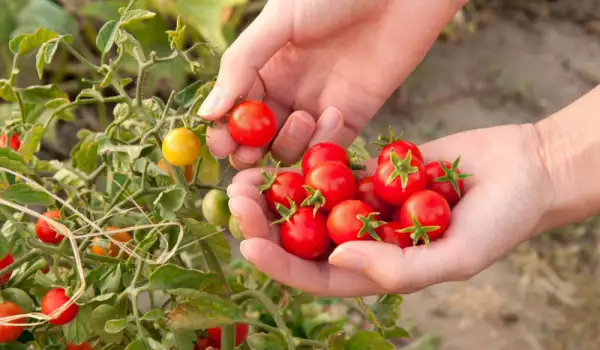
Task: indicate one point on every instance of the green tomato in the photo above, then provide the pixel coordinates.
(215, 208)
(234, 228)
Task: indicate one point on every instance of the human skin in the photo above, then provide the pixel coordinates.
(529, 178)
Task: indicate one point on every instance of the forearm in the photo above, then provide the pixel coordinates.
(571, 153)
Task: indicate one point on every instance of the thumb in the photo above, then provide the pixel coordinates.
(242, 61)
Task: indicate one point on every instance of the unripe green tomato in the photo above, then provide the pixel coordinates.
(235, 229)
(215, 208)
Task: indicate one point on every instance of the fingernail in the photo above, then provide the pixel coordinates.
(234, 207)
(210, 103)
(328, 125)
(348, 259)
(298, 129)
(242, 249)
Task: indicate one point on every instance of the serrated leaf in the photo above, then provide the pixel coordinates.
(215, 239)
(136, 15)
(106, 36)
(78, 330)
(176, 277)
(26, 43)
(41, 93)
(115, 326)
(153, 315)
(6, 91)
(265, 341)
(19, 297)
(26, 195)
(209, 311)
(168, 202)
(39, 60)
(31, 141)
(368, 340)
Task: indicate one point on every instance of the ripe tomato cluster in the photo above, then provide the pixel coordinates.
(405, 201)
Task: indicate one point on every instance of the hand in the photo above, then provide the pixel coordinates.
(306, 55)
(504, 205)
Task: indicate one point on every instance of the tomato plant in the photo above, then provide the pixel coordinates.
(10, 333)
(303, 231)
(329, 183)
(324, 152)
(446, 179)
(14, 141)
(47, 233)
(352, 220)
(425, 215)
(252, 123)
(396, 180)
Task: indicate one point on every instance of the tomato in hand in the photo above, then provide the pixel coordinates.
(282, 186)
(446, 179)
(14, 141)
(107, 245)
(4, 262)
(366, 193)
(389, 233)
(352, 220)
(55, 299)
(241, 333)
(181, 147)
(252, 123)
(324, 152)
(303, 233)
(83, 346)
(329, 183)
(398, 145)
(45, 232)
(425, 215)
(188, 170)
(396, 180)
(215, 208)
(10, 333)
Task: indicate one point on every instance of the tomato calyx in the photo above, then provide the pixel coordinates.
(386, 140)
(285, 212)
(269, 177)
(402, 168)
(315, 199)
(418, 231)
(369, 225)
(451, 175)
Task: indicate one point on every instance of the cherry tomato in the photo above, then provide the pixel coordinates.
(366, 193)
(446, 179)
(202, 344)
(334, 180)
(305, 235)
(83, 346)
(389, 178)
(188, 170)
(215, 208)
(181, 146)
(113, 249)
(389, 234)
(45, 232)
(234, 229)
(425, 215)
(55, 299)
(283, 185)
(324, 152)
(252, 123)
(14, 142)
(349, 219)
(241, 332)
(4, 262)
(401, 148)
(10, 333)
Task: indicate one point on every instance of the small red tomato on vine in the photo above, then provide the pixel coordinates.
(446, 179)
(366, 193)
(396, 180)
(54, 300)
(425, 216)
(14, 141)
(10, 333)
(4, 262)
(181, 147)
(83, 346)
(352, 220)
(47, 233)
(324, 152)
(278, 188)
(252, 123)
(241, 333)
(328, 184)
(202, 344)
(112, 248)
(390, 233)
(401, 147)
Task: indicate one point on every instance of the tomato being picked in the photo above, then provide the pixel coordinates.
(14, 141)
(181, 147)
(446, 179)
(252, 123)
(396, 180)
(10, 333)
(324, 152)
(4, 262)
(366, 193)
(55, 299)
(401, 147)
(329, 183)
(352, 220)
(47, 233)
(241, 333)
(390, 233)
(425, 215)
(303, 232)
(279, 188)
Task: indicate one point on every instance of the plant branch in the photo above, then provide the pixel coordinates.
(33, 254)
(370, 315)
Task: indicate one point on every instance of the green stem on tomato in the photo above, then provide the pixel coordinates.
(134, 295)
(79, 56)
(31, 270)
(369, 314)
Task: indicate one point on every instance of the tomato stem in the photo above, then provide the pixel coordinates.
(451, 175)
(369, 314)
(315, 199)
(418, 231)
(369, 225)
(402, 168)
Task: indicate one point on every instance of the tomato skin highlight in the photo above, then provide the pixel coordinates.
(45, 232)
(4, 262)
(252, 123)
(342, 223)
(14, 141)
(429, 208)
(393, 193)
(286, 184)
(10, 333)
(401, 147)
(305, 235)
(241, 333)
(335, 181)
(181, 147)
(434, 171)
(366, 193)
(388, 233)
(83, 346)
(55, 299)
(324, 152)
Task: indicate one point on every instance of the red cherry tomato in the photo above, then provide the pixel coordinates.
(425, 215)
(389, 234)
(55, 299)
(334, 180)
(10, 333)
(45, 232)
(324, 152)
(410, 170)
(366, 193)
(349, 219)
(6, 260)
(447, 181)
(401, 148)
(241, 333)
(285, 184)
(14, 142)
(305, 234)
(83, 346)
(202, 344)
(252, 123)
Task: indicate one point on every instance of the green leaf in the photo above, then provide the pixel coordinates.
(324, 331)
(215, 239)
(31, 141)
(12, 160)
(52, 46)
(41, 93)
(387, 309)
(45, 14)
(19, 297)
(210, 170)
(57, 103)
(100, 316)
(336, 342)
(103, 10)
(26, 43)
(26, 195)
(89, 94)
(6, 91)
(397, 332)
(153, 315)
(186, 96)
(368, 340)
(177, 36)
(168, 202)
(39, 60)
(43, 280)
(136, 15)
(67, 177)
(115, 326)
(79, 330)
(106, 36)
(180, 340)
(175, 277)
(4, 245)
(265, 341)
(136, 345)
(112, 282)
(207, 312)
(84, 155)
